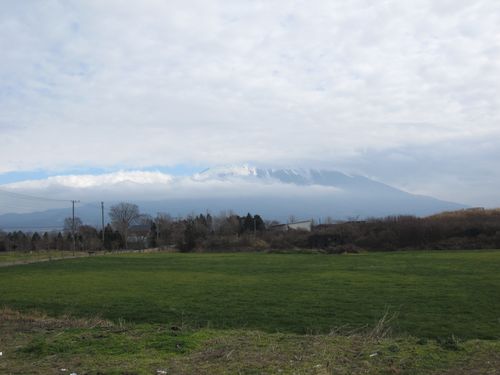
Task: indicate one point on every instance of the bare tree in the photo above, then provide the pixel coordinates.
(68, 224)
(164, 228)
(122, 216)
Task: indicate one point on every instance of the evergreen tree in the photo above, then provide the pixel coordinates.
(248, 223)
(35, 241)
(46, 241)
(152, 235)
(259, 223)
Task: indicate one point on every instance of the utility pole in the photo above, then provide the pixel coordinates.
(102, 222)
(157, 229)
(73, 225)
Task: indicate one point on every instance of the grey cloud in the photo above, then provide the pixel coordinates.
(328, 82)
(463, 170)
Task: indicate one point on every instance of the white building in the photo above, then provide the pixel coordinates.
(305, 225)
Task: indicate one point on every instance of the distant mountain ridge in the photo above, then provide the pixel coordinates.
(321, 177)
(273, 193)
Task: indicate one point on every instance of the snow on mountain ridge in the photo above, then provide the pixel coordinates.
(223, 172)
(299, 176)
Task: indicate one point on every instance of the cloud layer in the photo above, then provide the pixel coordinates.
(273, 193)
(58, 191)
(381, 88)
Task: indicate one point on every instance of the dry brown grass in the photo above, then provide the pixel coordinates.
(229, 352)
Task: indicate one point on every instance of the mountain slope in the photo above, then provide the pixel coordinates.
(273, 193)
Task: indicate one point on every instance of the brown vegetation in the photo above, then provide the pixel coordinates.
(465, 229)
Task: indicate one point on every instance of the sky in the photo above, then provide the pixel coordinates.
(404, 92)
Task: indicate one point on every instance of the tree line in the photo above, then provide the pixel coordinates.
(457, 230)
(130, 229)
(227, 231)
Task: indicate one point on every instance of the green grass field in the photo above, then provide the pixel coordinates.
(434, 294)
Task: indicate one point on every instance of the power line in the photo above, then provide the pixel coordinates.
(21, 201)
(31, 197)
(30, 227)
(102, 220)
(73, 225)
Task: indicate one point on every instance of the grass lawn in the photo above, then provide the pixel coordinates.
(434, 294)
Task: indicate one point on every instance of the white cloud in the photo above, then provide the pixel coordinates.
(96, 83)
(241, 182)
(94, 181)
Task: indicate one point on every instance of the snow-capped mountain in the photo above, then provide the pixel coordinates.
(273, 193)
(321, 177)
(226, 172)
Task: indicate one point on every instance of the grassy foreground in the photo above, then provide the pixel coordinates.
(435, 294)
(36, 344)
(246, 313)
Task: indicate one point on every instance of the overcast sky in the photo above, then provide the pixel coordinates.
(406, 92)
